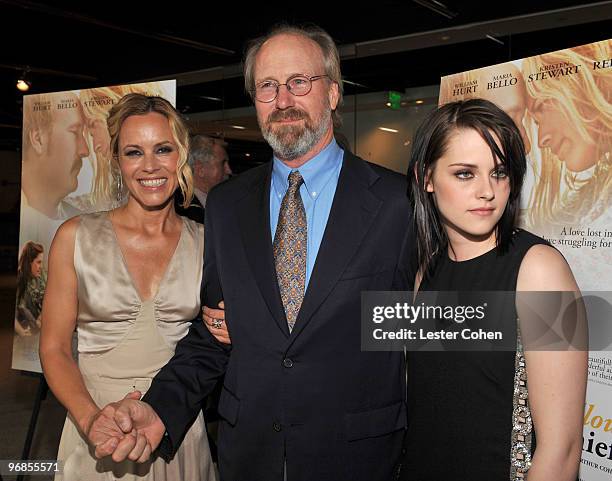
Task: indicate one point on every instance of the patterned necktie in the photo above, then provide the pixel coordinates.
(290, 249)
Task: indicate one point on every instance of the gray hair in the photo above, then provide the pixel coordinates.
(201, 149)
(331, 57)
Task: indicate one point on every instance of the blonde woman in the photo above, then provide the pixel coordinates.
(573, 113)
(129, 280)
(106, 192)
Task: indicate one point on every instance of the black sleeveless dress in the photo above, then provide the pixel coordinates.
(468, 411)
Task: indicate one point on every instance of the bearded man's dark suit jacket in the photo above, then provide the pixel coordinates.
(311, 397)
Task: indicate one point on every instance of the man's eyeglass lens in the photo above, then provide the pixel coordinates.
(301, 85)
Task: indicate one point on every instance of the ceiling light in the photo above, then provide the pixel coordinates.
(247, 155)
(23, 85)
(386, 129)
(388, 104)
(419, 101)
(238, 127)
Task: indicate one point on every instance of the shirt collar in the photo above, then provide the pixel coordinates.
(201, 195)
(316, 172)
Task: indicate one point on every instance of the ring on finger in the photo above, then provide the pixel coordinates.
(217, 323)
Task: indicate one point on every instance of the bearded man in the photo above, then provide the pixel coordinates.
(290, 246)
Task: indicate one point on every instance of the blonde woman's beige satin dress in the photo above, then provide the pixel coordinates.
(124, 342)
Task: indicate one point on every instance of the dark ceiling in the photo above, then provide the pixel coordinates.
(71, 45)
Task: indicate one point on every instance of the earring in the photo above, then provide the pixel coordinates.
(119, 187)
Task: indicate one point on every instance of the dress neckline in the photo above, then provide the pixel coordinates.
(167, 269)
(472, 259)
(487, 253)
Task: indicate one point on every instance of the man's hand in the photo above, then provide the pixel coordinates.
(102, 431)
(214, 319)
(140, 428)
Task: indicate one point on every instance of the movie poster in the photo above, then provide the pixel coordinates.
(66, 171)
(562, 104)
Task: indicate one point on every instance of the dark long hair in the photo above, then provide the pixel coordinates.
(30, 251)
(430, 143)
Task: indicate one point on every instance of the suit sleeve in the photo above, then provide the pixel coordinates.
(179, 388)
(407, 265)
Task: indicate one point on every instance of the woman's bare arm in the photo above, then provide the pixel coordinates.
(556, 379)
(58, 322)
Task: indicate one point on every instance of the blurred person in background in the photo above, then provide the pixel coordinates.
(209, 163)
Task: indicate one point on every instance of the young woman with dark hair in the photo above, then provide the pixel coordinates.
(476, 415)
(31, 282)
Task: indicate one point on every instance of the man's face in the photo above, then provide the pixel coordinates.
(215, 170)
(63, 148)
(294, 125)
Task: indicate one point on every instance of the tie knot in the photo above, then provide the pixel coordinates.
(295, 181)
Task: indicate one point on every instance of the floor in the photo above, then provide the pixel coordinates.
(17, 395)
(18, 392)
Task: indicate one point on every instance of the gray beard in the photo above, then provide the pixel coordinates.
(289, 143)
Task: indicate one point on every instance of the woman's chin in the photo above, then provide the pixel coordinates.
(149, 203)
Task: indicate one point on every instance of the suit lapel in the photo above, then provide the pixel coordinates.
(353, 210)
(254, 218)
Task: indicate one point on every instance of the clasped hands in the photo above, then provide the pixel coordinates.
(126, 429)
(130, 428)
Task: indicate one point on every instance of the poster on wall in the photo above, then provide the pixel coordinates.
(562, 103)
(66, 171)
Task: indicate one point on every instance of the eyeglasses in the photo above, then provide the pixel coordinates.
(300, 85)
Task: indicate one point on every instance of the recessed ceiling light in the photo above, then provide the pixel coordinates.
(419, 101)
(23, 85)
(238, 127)
(247, 155)
(388, 104)
(387, 129)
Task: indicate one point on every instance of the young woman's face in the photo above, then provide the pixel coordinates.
(470, 191)
(148, 158)
(557, 132)
(36, 266)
